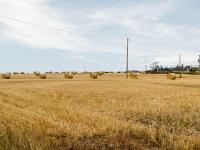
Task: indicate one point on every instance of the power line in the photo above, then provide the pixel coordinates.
(52, 28)
(13, 32)
(44, 27)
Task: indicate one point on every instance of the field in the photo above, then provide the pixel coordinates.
(108, 113)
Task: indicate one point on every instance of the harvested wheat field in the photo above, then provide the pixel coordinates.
(106, 113)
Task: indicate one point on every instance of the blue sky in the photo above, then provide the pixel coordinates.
(73, 35)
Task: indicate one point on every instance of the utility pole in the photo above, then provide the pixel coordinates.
(127, 59)
(145, 65)
(180, 60)
(180, 65)
(199, 62)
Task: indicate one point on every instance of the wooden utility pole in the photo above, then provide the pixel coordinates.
(145, 65)
(180, 65)
(199, 62)
(180, 60)
(127, 59)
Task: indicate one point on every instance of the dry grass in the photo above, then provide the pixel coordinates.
(107, 113)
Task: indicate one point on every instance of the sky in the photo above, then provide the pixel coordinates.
(78, 35)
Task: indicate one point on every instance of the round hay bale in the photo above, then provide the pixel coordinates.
(42, 76)
(68, 76)
(49, 72)
(5, 76)
(37, 73)
(74, 73)
(15, 73)
(171, 76)
(133, 76)
(100, 73)
(93, 76)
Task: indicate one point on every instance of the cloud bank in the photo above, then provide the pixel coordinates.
(103, 29)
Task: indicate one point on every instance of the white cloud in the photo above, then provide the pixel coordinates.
(151, 36)
(142, 19)
(40, 13)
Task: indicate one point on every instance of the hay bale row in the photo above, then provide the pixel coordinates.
(133, 75)
(171, 76)
(93, 75)
(17, 73)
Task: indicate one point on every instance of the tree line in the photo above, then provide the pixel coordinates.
(156, 68)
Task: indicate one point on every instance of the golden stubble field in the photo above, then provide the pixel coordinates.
(108, 113)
